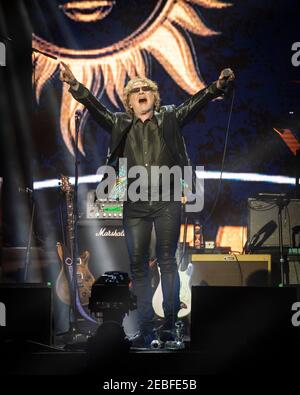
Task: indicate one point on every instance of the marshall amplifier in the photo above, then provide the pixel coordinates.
(105, 241)
(103, 209)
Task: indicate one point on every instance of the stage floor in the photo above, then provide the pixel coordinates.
(36, 359)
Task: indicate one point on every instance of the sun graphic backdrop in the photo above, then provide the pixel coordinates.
(162, 35)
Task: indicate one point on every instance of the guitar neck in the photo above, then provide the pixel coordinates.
(70, 220)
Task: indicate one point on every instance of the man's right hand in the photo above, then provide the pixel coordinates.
(67, 76)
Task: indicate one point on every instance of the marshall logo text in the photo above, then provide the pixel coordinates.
(103, 232)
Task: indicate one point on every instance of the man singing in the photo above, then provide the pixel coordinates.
(149, 135)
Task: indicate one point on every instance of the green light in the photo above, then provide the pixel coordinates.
(114, 209)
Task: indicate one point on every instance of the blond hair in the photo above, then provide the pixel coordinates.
(129, 86)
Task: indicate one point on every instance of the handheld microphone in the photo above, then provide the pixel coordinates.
(226, 75)
(227, 72)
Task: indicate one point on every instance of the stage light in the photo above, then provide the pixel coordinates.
(207, 175)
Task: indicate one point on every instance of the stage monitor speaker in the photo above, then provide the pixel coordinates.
(236, 325)
(1, 232)
(231, 270)
(263, 223)
(26, 313)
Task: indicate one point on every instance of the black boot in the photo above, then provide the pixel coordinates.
(167, 330)
(143, 339)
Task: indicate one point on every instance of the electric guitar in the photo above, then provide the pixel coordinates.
(84, 278)
(184, 294)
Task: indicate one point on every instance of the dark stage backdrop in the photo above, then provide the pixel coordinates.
(181, 45)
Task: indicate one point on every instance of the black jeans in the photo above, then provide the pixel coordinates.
(138, 222)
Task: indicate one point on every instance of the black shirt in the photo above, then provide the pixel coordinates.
(145, 146)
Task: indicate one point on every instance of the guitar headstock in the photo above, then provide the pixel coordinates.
(65, 184)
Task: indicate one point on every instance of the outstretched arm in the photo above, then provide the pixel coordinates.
(80, 93)
(187, 110)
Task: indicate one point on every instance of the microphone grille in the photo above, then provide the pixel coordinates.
(226, 72)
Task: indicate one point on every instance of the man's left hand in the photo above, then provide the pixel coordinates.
(225, 77)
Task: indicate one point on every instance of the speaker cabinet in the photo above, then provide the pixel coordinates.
(26, 313)
(1, 233)
(231, 270)
(263, 223)
(105, 240)
(236, 325)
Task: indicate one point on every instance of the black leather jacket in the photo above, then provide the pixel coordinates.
(170, 119)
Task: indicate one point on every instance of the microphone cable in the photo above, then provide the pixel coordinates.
(223, 160)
